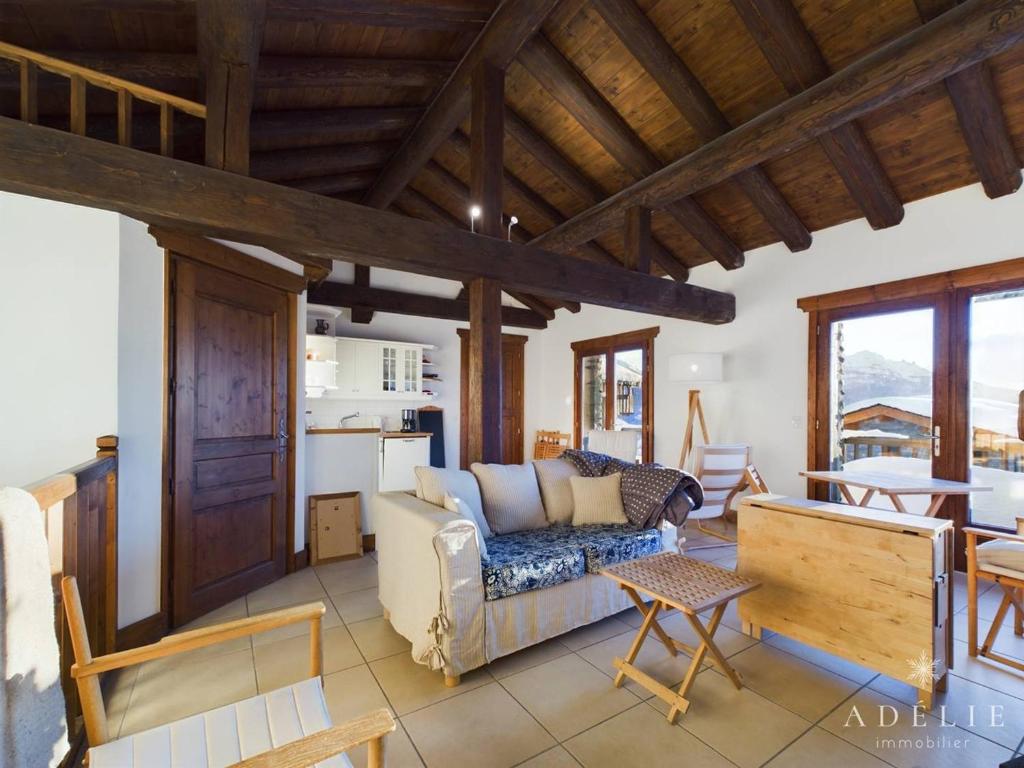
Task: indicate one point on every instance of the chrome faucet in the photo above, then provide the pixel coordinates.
(343, 419)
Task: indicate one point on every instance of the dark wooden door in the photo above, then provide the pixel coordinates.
(230, 434)
(513, 366)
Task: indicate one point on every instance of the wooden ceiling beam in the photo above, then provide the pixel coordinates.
(336, 184)
(981, 118)
(361, 313)
(346, 295)
(780, 33)
(287, 164)
(229, 35)
(658, 58)
(588, 190)
(288, 129)
(43, 162)
(972, 32)
(498, 43)
(600, 119)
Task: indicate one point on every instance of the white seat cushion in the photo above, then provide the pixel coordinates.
(226, 735)
(1008, 555)
(511, 497)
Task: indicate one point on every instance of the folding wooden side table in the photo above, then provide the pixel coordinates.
(691, 586)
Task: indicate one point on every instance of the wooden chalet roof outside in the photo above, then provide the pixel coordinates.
(341, 84)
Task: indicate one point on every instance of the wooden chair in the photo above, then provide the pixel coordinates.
(999, 560)
(723, 471)
(286, 728)
(550, 445)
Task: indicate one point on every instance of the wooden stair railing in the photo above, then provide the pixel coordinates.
(30, 63)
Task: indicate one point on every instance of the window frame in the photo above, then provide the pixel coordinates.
(642, 339)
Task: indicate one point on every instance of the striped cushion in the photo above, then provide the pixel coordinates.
(511, 497)
(434, 483)
(597, 500)
(553, 478)
(226, 735)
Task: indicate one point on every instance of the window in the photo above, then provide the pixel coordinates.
(613, 387)
(924, 377)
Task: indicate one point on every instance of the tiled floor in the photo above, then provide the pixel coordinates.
(554, 704)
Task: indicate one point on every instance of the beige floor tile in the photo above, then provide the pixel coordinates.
(801, 687)
(641, 737)
(556, 757)
(728, 640)
(975, 708)
(1007, 643)
(376, 639)
(742, 725)
(117, 696)
(568, 695)
(354, 692)
(820, 749)
(171, 689)
(484, 727)
(410, 686)
(533, 656)
(653, 659)
(960, 591)
(358, 606)
(236, 609)
(986, 672)
(989, 597)
(731, 619)
(285, 662)
(596, 632)
(295, 588)
(832, 663)
(330, 620)
(347, 576)
(897, 741)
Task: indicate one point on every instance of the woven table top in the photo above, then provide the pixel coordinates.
(690, 585)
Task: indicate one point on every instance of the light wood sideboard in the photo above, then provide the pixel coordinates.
(868, 585)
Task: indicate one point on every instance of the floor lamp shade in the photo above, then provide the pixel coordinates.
(695, 367)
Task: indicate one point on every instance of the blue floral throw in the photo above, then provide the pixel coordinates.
(543, 557)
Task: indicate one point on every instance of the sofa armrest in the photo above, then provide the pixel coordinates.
(430, 581)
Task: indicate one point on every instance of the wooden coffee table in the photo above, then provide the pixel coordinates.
(691, 586)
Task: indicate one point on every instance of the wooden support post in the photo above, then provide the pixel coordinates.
(637, 239)
(485, 398)
(29, 77)
(487, 140)
(361, 279)
(229, 34)
(124, 118)
(77, 118)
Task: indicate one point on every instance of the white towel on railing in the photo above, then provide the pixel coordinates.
(33, 726)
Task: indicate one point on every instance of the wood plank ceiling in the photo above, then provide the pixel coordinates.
(339, 86)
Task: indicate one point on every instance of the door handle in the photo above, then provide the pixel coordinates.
(936, 439)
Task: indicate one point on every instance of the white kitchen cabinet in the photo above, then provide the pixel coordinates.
(369, 369)
(399, 456)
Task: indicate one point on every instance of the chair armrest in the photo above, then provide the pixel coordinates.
(973, 533)
(325, 744)
(200, 638)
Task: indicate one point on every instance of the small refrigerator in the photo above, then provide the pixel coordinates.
(399, 456)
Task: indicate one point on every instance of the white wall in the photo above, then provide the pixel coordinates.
(58, 335)
(763, 400)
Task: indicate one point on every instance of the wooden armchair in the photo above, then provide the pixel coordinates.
(550, 445)
(287, 728)
(1000, 560)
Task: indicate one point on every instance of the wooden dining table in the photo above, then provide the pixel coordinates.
(894, 487)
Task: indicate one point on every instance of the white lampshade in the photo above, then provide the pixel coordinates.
(695, 367)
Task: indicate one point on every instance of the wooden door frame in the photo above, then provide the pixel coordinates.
(950, 292)
(212, 254)
(506, 338)
(642, 339)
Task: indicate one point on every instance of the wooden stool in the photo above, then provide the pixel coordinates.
(691, 586)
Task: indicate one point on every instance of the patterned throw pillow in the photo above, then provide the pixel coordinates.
(597, 500)
(433, 484)
(459, 507)
(511, 497)
(553, 478)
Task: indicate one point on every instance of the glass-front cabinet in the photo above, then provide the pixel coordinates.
(368, 368)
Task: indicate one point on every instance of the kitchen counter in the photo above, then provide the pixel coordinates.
(364, 431)
(387, 435)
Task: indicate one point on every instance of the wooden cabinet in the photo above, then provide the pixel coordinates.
(368, 369)
(868, 585)
(335, 530)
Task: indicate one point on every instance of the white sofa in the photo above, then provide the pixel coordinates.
(432, 590)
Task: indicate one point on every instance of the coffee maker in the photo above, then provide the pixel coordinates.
(409, 420)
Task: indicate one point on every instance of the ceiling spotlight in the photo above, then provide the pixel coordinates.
(474, 214)
(511, 223)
